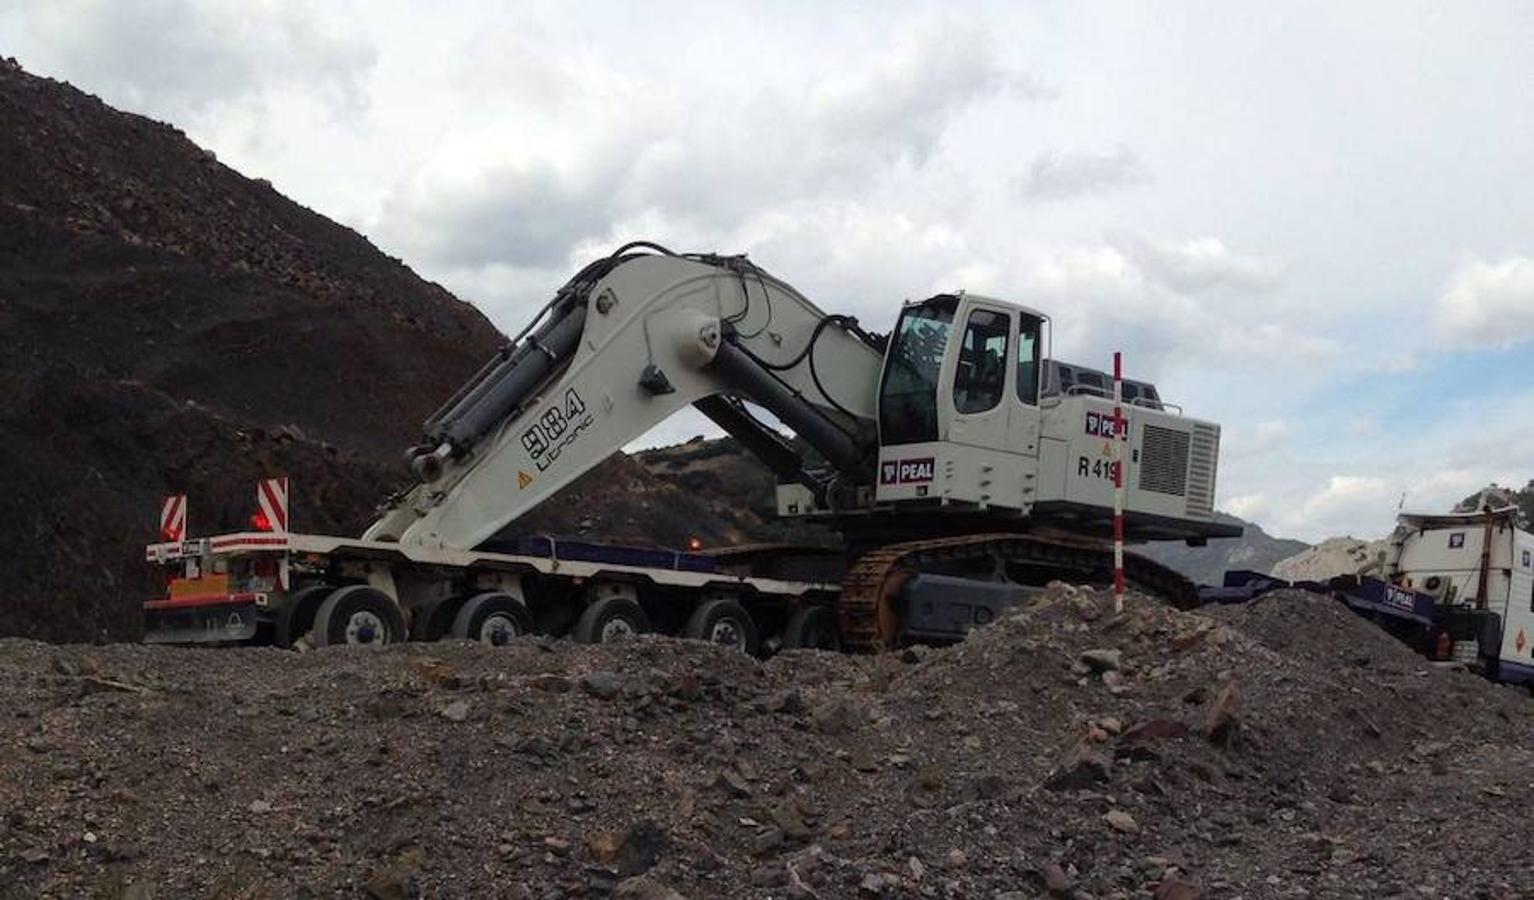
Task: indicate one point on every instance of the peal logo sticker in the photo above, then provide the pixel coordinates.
(907, 471)
(1100, 425)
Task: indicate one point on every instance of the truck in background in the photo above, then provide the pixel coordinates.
(1457, 587)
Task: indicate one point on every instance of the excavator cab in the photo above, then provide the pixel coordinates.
(958, 402)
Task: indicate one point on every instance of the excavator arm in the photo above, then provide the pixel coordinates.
(628, 342)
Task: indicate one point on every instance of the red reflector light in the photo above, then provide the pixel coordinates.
(260, 522)
(694, 544)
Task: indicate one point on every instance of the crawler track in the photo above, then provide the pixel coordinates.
(870, 609)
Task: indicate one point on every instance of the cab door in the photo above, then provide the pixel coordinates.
(1024, 418)
(981, 377)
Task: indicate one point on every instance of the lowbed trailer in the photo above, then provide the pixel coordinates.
(290, 587)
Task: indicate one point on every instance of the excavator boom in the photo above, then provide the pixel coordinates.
(629, 342)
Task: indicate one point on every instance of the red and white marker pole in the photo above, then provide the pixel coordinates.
(1120, 433)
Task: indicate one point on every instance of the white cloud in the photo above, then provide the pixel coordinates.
(178, 57)
(1270, 431)
(1100, 296)
(1489, 304)
(1249, 506)
(1055, 175)
(1199, 264)
(615, 150)
(1343, 500)
(903, 102)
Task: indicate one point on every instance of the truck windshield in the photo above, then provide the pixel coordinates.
(908, 396)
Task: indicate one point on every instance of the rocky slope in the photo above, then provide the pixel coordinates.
(160, 314)
(1282, 749)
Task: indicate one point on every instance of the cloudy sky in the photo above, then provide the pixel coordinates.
(1310, 222)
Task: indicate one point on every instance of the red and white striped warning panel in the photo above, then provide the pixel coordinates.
(173, 517)
(272, 499)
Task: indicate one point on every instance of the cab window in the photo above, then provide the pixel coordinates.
(908, 396)
(981, 375)
(1028, 361)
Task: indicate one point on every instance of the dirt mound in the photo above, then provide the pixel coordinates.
(158, 312)
(1062, 751)
(88, 461)
(130, 252)
(624, 501)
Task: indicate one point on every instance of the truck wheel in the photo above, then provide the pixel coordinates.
(610, 618)
(297, 615)
(492, 618)
(813, 628)
(726, 623)
(360, 615)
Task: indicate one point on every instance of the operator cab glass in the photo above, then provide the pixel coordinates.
(1028, 360)
(908, 395)
(980, 379)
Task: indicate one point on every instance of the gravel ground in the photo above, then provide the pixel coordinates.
(1283, 749)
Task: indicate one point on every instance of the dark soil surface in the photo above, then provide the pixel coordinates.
(159, 314)
(1285, 749)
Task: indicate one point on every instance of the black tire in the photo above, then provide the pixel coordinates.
(492, 618)
(726, 623)
(605, 619)
(358, 614)
(813, 628)
(436, 625)
(297, 616)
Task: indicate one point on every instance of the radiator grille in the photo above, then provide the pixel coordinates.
(1164, 461)
(1201, 470)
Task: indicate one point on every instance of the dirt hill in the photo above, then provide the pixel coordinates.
(1281, 749)
(169, 325)
(160, 315)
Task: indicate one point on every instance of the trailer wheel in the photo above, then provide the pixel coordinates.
(610, 618)
(492, 618)
(813, 628)
(726, 623)
(359, 615)
(297, 616)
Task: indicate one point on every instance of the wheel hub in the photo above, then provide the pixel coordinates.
(617, 628)
(365, 628)
(726, 632)
(498, 630)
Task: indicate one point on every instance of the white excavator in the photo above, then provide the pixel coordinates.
(963, 466)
